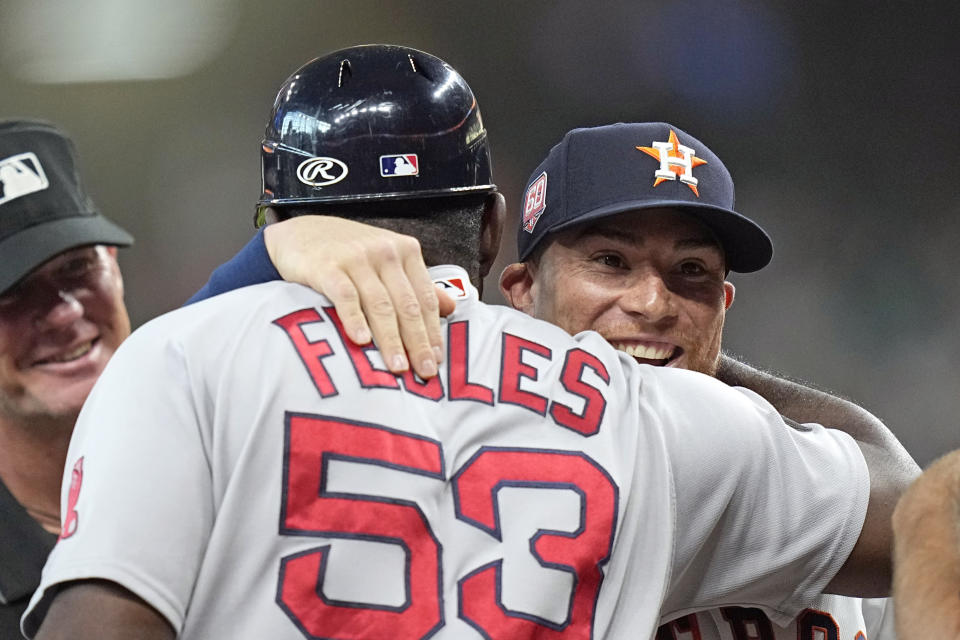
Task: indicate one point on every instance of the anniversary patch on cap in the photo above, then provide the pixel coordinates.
(534, 202)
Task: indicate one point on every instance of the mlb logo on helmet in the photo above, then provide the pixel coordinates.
(399, 164)
(534, 202)
(21, 175)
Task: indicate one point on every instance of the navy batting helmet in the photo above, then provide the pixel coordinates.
(374, 122)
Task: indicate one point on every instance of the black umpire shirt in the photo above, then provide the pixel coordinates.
(24, 547)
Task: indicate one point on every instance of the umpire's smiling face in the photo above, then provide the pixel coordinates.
(651, 282)
(58, 328)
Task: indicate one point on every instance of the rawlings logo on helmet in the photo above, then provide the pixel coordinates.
(321, 172)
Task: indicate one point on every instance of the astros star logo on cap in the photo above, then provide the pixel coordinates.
(676, 162)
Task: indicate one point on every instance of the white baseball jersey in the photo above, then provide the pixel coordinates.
(251, 474)
(829, 617)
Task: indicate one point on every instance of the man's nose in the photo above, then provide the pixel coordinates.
(649, 296)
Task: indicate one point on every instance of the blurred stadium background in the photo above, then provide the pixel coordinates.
(837, 120)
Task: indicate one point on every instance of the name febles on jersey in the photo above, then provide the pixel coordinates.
(459, 387)
(734, 623)
(474, 483)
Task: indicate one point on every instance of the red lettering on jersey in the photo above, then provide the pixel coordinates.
(369, 376)
(748, 623)
(311, 353)
(588, 421)
(308, 508)
(477, 486)
(432, 389)
(513, 368)
(817, 625)
(70, 519)
(860, 636)
(685, 628)
(458, 367)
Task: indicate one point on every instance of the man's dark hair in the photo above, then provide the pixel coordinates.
(448, 228)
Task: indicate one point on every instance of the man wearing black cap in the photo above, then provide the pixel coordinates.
(61, 318)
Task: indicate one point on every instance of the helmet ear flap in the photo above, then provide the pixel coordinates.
(373, 122)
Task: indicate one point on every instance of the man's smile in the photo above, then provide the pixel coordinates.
(649, 351)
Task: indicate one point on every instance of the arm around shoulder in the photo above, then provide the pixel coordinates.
(868, 570)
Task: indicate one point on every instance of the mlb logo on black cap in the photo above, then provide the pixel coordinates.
(21, 175)
(399, 164)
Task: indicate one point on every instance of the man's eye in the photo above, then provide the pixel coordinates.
(77, 266)
(610, 260)
(692, 269)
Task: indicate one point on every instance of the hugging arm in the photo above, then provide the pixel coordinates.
(868, 570)
(375, 278)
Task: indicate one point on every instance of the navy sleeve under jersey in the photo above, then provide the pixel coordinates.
(250, 266)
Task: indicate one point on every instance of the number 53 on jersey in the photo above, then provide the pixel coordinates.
(309, 508)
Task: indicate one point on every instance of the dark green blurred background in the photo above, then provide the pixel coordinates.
(837, 120)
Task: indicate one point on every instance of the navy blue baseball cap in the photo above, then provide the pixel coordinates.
(601, 171)
(44, 209)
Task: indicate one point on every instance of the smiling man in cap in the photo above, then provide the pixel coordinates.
(61, 318)
(630, 230)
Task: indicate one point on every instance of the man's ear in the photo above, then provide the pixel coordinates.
(491, 228)
(728, 292)
(516, 285)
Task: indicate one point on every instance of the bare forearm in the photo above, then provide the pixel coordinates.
(926, 527)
